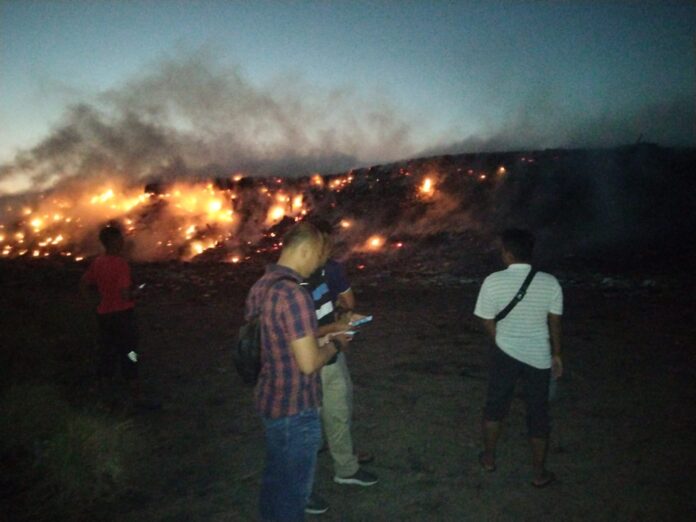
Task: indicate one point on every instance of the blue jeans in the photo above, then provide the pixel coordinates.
(292, 444)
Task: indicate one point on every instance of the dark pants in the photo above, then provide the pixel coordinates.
(118, 337)
(292, 444)
(505, 371)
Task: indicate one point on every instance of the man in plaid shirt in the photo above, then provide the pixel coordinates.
(288, 392)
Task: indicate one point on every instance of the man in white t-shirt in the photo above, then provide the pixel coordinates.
(527, 346)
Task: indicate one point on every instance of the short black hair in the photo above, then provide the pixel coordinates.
(109, 234)
(519, 242)
(322, 225)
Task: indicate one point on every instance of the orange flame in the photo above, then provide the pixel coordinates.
(427, 188)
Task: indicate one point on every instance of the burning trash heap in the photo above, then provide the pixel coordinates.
(228, 219)
(449, 204)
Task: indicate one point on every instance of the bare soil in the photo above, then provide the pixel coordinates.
(623, 419)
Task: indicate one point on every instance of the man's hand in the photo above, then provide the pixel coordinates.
(342, 340)
(556, 366)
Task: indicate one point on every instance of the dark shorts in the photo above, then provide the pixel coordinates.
(118, 336)
(505, 371)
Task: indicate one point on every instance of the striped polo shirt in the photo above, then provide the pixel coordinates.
(524, 333)
(318, 287)
(287, 314)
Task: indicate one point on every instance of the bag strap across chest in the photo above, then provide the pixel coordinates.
(518, 296)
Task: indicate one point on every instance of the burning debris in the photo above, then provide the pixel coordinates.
(574, 199)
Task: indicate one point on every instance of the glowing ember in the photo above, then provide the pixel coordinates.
(275, 213)
(345, 223)
(375, 242)
(427, 188)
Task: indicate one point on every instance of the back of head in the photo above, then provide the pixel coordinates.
(109, 236)
(301, 233)
(519, 243)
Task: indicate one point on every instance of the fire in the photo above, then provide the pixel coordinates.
(214, 206)
(103, 197)
(275, 213)
(178, 221)
(427, 188)
(375, 242)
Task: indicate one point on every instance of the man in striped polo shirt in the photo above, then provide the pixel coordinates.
(527, 346)
(288, 392)
(328, 285)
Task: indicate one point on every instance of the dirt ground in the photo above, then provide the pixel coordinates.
(623, 419)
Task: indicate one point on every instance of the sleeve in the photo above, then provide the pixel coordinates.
(249, 305)
(556, 306)
(299, 317)
(485, 307)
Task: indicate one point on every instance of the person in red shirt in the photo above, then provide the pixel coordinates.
(118, 336)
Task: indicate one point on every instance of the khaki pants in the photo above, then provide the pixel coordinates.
(336, 415)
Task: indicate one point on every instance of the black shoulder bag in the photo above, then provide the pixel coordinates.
(246, 352)
(518, 296)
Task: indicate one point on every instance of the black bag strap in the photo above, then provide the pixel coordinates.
(518, 296)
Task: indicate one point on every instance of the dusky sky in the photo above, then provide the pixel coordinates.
(292, 87)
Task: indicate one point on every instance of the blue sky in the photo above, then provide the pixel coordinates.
(437, 76)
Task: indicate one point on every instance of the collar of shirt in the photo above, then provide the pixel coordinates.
(519, 266)
(283, 271)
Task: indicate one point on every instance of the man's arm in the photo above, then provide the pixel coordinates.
(555, 336)
(346, 300)
(310, 356)
(340, 325)
(489, 327)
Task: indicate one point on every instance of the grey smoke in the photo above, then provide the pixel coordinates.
(191, 116)
(542, 123)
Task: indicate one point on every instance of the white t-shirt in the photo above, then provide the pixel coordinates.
(524, 333)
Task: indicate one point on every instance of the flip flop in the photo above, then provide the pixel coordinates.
(484, 466)
(550, 479)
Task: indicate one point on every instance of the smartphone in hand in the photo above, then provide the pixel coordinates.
(361, 320)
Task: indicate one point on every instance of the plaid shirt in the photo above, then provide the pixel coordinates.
(287, 314)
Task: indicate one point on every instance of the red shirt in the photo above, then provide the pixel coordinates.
(111, 274)
(286, 314)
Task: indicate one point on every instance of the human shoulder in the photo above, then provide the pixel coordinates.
(494, 277)
(548, 279)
